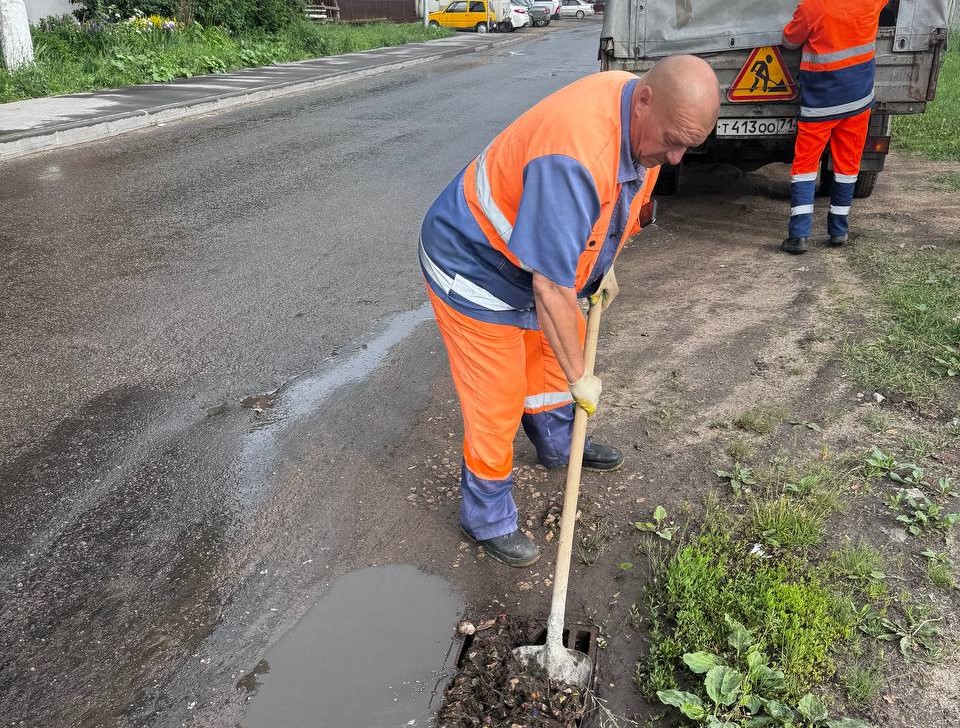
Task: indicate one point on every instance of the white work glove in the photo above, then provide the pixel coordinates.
(586, 392)
(607, 291)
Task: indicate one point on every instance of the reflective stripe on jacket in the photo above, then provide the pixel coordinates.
(837, 62)
(556, 192)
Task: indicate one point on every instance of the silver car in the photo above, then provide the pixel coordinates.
(575, 9)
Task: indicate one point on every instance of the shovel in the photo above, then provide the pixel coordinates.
(560, 663)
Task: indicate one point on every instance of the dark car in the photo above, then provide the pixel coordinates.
(539, 14)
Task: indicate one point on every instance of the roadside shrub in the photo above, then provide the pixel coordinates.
(234, 15)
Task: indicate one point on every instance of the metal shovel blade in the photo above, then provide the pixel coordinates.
(560, 664)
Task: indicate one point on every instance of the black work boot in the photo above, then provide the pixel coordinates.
(604, 458)
(839, 240)
(512, 549)
(795, 246)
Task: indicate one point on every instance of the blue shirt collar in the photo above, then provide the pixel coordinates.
(629, 170)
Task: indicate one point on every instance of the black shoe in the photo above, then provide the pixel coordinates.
(604, 458)
(512, 549)
(839, 240)
(795, 246)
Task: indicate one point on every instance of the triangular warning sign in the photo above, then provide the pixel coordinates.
(764, 77)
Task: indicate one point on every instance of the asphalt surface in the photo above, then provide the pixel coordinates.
(163, 524)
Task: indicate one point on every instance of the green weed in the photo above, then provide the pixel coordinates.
(739, 450)
(918, 514)
(862, 566)
(919, 446)
(877, 421)
(658, 525)
(760, 420)
(916, 632)
(785, 522)
(863, 682)
(940, 574)
(939, 569)
(744, 691)
(740, 478)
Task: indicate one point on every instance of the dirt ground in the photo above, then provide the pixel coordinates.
(712, 319)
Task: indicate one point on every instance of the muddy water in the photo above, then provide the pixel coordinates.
(374, 652)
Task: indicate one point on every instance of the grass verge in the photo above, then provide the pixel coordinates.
(71, 58)
(913, 330)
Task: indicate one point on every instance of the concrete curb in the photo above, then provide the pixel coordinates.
(57, 136)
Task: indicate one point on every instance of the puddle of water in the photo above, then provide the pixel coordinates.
(375, 652)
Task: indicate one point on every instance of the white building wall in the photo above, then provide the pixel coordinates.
(37, 9)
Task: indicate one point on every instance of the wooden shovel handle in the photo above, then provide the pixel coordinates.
(571, 491)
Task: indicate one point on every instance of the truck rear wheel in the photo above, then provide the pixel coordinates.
(668, 180)
(866, 181)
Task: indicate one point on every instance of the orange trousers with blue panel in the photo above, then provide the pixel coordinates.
(846, 138)
(505, 376)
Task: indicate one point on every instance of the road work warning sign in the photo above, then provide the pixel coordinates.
(764, 77)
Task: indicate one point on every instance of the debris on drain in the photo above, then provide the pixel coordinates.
(492, 690)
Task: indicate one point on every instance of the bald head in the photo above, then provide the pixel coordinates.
(675, 107)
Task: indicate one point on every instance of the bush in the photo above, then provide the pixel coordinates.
(234, 15)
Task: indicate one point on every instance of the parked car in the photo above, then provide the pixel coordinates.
(539, 12)
(575, 9)
(552, 8)
(478, 15)
(518, 17)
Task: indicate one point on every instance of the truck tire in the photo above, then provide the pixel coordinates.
(866, 181)
(668, 180)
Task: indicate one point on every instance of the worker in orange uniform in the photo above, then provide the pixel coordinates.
(531, 224)
(836, 92)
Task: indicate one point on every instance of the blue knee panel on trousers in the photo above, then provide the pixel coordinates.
(841, 196)
(801, 196)
(550, 433)
(487, 508)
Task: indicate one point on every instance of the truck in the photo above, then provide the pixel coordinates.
(741, 40)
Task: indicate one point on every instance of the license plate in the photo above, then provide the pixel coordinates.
(763, 127)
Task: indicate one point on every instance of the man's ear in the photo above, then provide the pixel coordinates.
(645, 95)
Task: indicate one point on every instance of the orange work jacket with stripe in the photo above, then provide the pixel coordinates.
(838, 40)
(557, 192)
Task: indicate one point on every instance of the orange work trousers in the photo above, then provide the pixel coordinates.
(504, 376)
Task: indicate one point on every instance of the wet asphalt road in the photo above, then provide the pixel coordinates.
(159, 520)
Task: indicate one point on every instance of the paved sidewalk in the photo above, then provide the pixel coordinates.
(36, 125)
